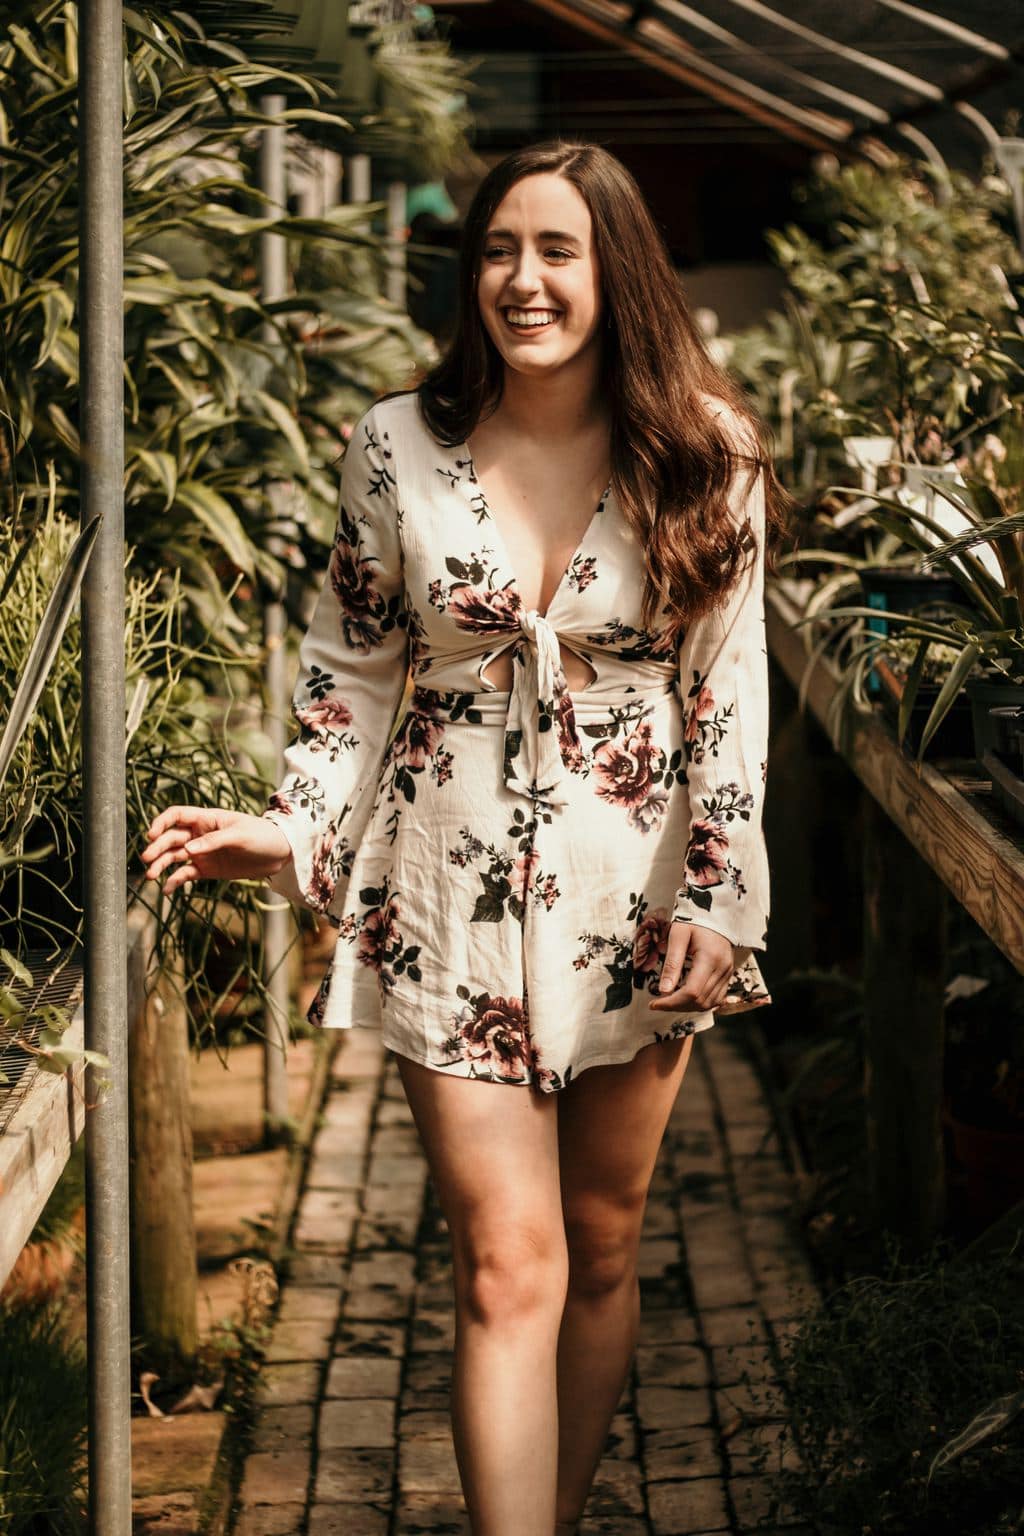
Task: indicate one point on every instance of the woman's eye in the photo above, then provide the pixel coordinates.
(559, 255)
(494, 251)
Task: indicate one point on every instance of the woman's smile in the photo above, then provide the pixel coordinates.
(523, 321)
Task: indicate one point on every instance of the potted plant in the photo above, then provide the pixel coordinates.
(953, 737)
(986, 626)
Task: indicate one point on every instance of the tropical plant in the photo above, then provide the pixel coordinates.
(220, 405)
(235, 416)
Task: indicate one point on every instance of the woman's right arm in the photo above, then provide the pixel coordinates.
(353, 663)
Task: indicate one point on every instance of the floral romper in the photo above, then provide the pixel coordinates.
(503, 868)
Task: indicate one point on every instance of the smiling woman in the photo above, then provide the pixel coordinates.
(552, 875)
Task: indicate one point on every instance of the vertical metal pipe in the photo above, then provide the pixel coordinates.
(1010, 160)
(360, 188)
(332, 178)
(311, 188)
(101, 318)
(273, 279)
(395, 287)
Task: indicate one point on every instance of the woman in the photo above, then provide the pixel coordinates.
(557, 859)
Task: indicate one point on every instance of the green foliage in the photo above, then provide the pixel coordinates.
(235, 417)
(883, 1384)
(898, 317)
(985, 627)
(43, 1417)
(178, 746)
(221, 408)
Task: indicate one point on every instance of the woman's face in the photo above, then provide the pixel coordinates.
(539, 288)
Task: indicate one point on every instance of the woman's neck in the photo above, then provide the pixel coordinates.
(554, 409)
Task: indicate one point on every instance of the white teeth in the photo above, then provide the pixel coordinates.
(531, 316)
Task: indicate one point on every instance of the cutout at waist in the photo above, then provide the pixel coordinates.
(579, 674)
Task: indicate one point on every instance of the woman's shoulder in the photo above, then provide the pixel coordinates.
(398, 414)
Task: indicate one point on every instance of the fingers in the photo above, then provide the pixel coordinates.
(211, 842)
(166, 850)
(680, 936)
(190, 818)
(710, 959)
(183, 875)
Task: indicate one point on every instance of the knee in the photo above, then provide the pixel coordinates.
(511, 1272)
(603, 1235)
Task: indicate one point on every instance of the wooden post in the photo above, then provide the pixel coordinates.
(162, 1221)
(790, 824)
(905, 924)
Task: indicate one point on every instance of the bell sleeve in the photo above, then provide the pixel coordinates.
(723, 681)
(353, 663)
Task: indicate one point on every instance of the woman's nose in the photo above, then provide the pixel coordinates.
(524, 276)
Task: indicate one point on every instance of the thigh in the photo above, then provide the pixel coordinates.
(611, 1121)
(492, 1149)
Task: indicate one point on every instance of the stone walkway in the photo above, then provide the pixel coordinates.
(354, 1436)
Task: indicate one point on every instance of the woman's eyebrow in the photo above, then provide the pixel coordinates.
(545, 234)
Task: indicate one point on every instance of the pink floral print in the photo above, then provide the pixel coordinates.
(504, 884)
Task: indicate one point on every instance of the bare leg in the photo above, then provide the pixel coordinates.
(492, 1149)
(611, 1124)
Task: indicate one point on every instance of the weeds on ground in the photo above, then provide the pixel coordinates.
(43, 1422)
(906, 1400)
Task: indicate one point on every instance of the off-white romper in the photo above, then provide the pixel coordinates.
(503, 868)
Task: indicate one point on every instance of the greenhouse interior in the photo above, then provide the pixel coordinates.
(257, 1276)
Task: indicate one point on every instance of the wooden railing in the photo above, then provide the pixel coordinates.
(955, 841)
(50, 1116)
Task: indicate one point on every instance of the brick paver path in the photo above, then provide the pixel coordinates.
(354, 1435)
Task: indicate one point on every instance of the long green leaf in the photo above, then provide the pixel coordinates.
(46, 643)
(984, 1424)
(908, 697)
(220, 520)
(947, 693)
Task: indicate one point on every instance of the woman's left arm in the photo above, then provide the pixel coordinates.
(723, 676)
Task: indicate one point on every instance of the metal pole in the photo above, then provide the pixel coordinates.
(396, 243)
(311, 188)
(101, 318)
(276, 924)
(360, 185)
(1010, 159)
(332, 164)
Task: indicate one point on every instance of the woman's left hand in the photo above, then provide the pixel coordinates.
(711, 962)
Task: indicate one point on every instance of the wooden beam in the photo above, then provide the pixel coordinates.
(947, 816)
(36, 1146)
(663, 50)
(163, 1236)
(905, 965)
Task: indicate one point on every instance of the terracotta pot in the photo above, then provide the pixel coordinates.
(993, 1162)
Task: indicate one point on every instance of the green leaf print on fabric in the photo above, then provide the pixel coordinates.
(635, 963)
(510, 879)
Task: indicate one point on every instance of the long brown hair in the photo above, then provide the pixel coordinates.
(672, 464)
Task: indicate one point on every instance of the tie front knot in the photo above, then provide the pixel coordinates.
(533, 759)
(533, 624)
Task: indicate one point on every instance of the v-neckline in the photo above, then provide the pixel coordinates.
(466, 453)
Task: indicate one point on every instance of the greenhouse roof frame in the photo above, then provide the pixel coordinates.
(869, 78)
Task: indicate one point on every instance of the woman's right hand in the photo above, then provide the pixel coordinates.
(205, 843)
